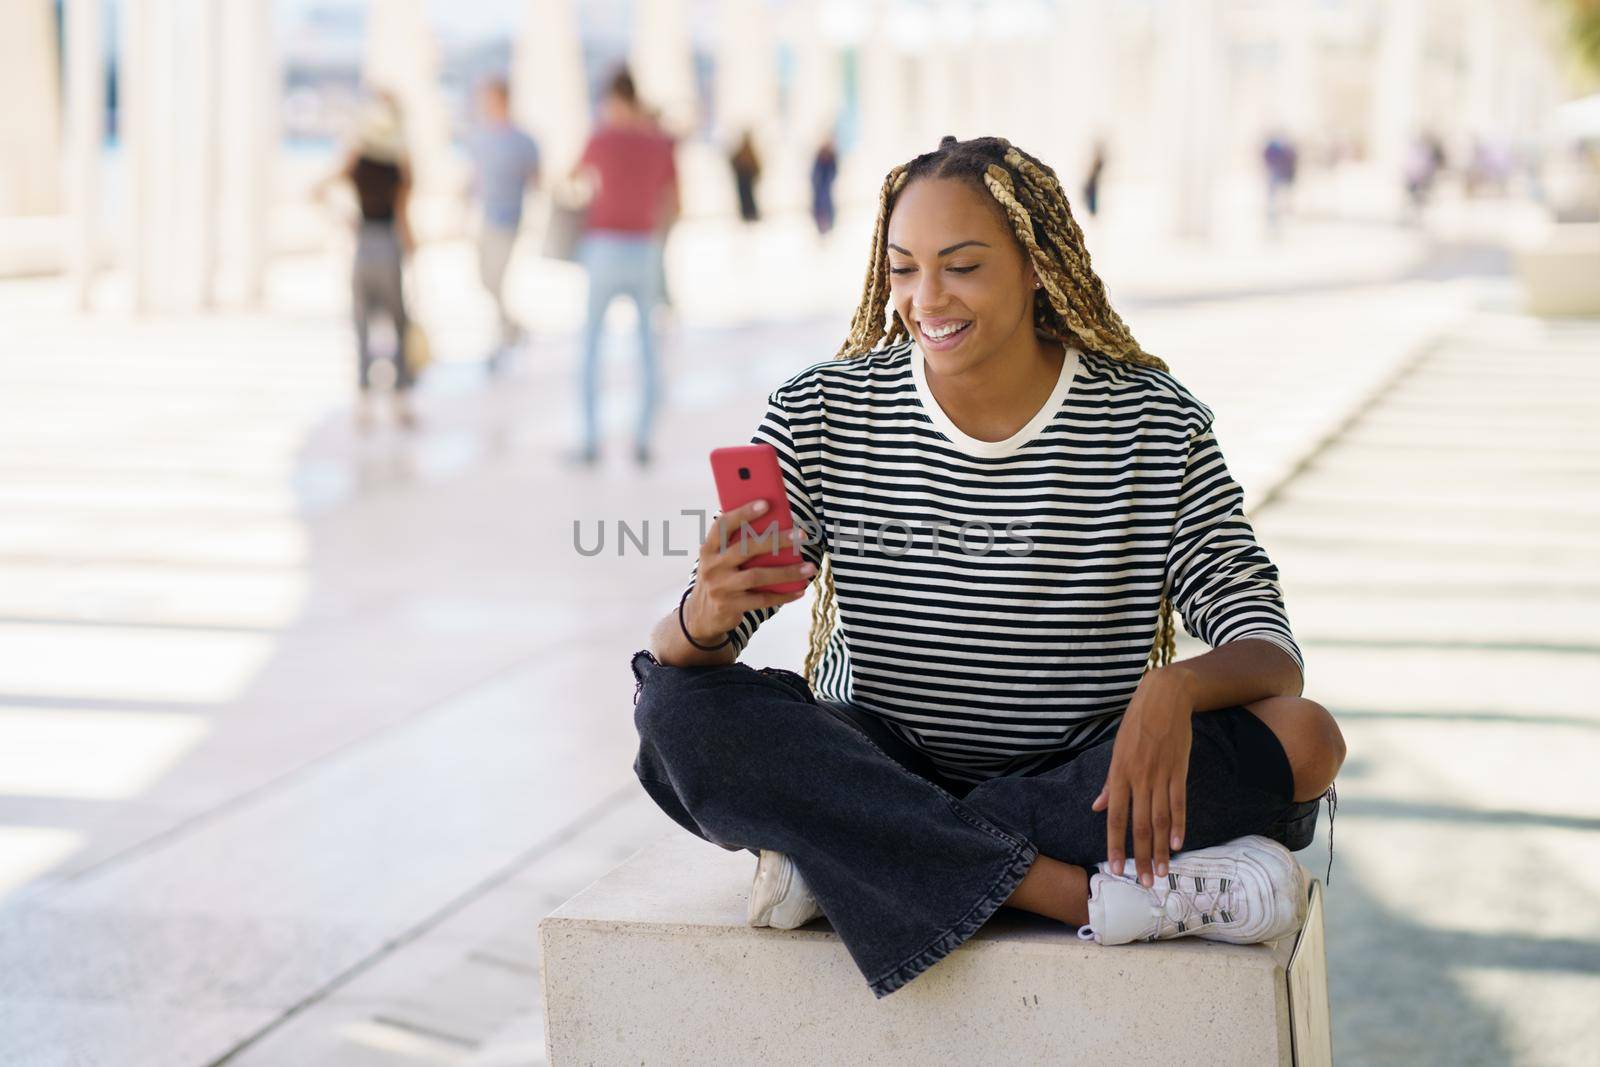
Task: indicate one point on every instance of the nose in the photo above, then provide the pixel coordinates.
(928, 298)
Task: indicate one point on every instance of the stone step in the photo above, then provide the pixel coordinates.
(1315, 568)
(1357, 457)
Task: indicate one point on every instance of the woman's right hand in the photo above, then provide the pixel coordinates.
(722, 592)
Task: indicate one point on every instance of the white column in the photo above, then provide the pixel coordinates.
(745, 95)
(402, 57)
(1083, 69)
(990, 57)
(1534, 82)
(880, 74)
(247, 144)
(1193, 100)
(1017, 60)
(1485, 64)
(549, 94)
(661, 57)
(847, 25)
(746, 79)
(30, 119)
(1394, 99)
(959, 26)
(85, 139)
(943, 77)
(816, 95)
(134, 130)
(1297, 86)
(814, 101)
(168, 97)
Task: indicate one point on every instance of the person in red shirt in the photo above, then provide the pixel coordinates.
(631, 160)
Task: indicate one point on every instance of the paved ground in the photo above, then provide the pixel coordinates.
(1441, 558)
(301, 731)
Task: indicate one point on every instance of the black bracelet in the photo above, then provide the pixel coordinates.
(684, 599)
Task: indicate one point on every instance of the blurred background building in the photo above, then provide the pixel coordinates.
(206, 123)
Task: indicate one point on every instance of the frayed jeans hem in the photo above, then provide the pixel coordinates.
(1016, 869)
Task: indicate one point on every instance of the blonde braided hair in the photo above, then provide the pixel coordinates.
(1070, 306)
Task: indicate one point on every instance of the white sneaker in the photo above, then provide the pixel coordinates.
(1244, 891)
(779, 897)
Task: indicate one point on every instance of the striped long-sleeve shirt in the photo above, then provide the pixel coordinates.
(998, 599)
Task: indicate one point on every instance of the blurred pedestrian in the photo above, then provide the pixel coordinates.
(631, 159)
(1423, 163)
(746, 172)
(505, 164)
(824, 170)
(378, 170)
(1488, 169)
(1091, 184)
(1281, 161)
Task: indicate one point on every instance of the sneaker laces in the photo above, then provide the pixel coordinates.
(1197, 905)
(1332, 794)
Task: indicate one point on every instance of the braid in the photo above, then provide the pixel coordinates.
(824, 618)
(1071, 305)
(1074, 292)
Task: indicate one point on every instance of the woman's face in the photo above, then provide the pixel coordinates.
(954, 261)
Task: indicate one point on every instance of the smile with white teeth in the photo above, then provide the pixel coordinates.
(939, 333)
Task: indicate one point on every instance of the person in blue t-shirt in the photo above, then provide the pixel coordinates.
(505, 165)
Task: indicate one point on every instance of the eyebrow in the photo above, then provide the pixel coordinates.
(944, 251)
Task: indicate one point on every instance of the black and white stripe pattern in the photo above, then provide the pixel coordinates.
(992, 662)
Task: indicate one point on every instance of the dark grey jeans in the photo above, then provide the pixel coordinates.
(906, 863)
(375, 288)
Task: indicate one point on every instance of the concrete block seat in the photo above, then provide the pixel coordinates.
(653, 964)
(1560, 274)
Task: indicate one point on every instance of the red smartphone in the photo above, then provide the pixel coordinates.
(750, 472)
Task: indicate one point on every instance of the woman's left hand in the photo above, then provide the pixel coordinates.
(1149, 774)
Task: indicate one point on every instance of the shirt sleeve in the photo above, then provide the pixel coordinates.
(1218, 577)
(775, 430)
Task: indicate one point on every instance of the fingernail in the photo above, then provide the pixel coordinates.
(1161, 870)
(1146, 880)
(761, 505)
(1177, 842)
(806, 568)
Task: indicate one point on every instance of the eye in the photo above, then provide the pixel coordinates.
(953, 270)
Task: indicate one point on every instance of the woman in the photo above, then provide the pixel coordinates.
(994, 718)
(380, 173)
(632, 160)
